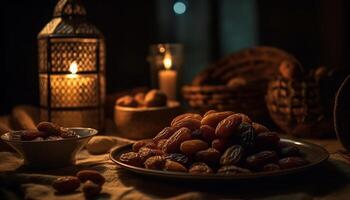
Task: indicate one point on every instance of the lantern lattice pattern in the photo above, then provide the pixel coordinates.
(71, 97)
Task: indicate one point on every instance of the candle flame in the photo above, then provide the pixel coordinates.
(73, 68)
(167, 62)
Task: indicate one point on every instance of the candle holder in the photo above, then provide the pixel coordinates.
(71, 68)
(166, 61)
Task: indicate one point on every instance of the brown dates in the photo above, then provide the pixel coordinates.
(200, 168)
(66, 184)
(192, 146)
(174, 166)
(172, 145)
(209, 156)
(228, 126)
(232, 155)
(91, 175)
(155, 162)
(257, 161)
(214, 118)
(131, 158)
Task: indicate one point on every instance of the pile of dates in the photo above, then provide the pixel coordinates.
(46, 131)
(218, 142)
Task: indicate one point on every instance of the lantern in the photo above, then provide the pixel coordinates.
(71, 68)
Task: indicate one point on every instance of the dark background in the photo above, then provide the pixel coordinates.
(314, 31)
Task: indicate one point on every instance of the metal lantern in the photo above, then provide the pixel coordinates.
(71, 68)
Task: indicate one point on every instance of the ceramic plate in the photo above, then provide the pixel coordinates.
(313, 153)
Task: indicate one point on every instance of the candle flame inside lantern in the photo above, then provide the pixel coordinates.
(73, 68)
(167, 62)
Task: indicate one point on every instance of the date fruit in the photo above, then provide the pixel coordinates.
(172, 145)
(49, 127)
(27, 135)
(228, 126)
(209, 112)
(213, 119)
(131, 158)
(209, 156)
(267, 141)
(220, 144)
(91, 175)
(190, 123)
(91, 189)
(232, 170)
(259, 128)
(232, 155)
(257, 161)
(291, 162)
(247, 136)
(174, 166)
(146, 152)
(193, 146)
(127, 101)
(200, 168)
(66, 184)
(155, 98)
(155, 162)
(180, 158)
(207, 132)
(161, 143)
(143, 143)
(165, 133)
(185, 117)
(67, 133)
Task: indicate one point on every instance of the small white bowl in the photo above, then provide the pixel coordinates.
(50, 153)
(141, 123)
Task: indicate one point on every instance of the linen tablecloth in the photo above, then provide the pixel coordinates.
(329, 181)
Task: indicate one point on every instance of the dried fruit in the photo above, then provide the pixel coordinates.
(196, 134)
(200, 168)
(27, 135)
(247, 136)
(155, 162)
(173, 143)
(127, 101)
(192, 146)
(245, 118)
(220, 144)
(228, 126)
(291, 162)
(232, 155)
(177, 157)
(233, 170)
(185, 117)
(257, 161)
(259, 128)
(66, 184)
(49, 127)
(289, 151)
(271, 167)
(91, 175)
(155, 98)
(207, 132)
(140, 98)
(209, 156)
(213, 119)
(209, 112)
(174, 166)
(267, 141)
(165, 133)
(67, 133)
(143, 143)
(161, 143)
(192, 124)
(91, 189)
(131, 158)
(146, 152)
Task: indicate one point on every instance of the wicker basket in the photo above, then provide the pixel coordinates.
(295, 106)
(210, 89)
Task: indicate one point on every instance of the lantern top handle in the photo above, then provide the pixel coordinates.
(69, 8)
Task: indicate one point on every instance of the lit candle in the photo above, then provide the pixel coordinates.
(167, 78)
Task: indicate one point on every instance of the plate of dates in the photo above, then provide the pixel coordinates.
(217, 146)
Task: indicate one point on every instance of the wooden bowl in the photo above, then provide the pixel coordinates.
(141, 123)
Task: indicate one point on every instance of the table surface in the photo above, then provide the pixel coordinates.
(328, 181)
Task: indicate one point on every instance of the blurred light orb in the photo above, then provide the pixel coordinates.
(179, 7)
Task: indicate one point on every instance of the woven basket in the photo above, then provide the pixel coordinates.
(210, 90)
(295, 106)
